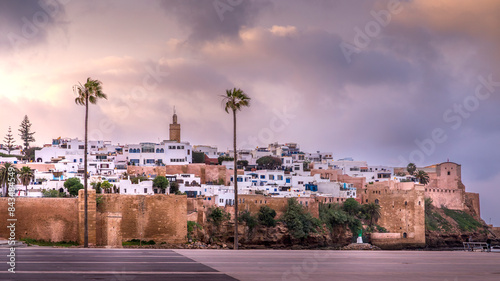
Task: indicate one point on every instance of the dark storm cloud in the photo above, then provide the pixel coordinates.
(214, 20)
(26, 23)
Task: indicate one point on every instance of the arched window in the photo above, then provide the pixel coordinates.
(404, 235)
(376, 201)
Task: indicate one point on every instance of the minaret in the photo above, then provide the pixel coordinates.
(175, 129)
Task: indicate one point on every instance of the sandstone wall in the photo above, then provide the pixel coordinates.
(450, 198)
(402, 212)
(49, 219)
(161, 218)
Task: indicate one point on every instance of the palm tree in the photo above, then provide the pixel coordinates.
(411, 168)
(5, 177)
(26, 175)
(422, 177)
(90, 92)
(235, 100)
(373, 210)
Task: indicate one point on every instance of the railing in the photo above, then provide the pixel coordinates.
(471, 246)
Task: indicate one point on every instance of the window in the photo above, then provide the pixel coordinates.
(145, 190)
(125, 190)
(280, 177)
(376, 201)
(81, 147)
(404, 235)
(262, 176)
(449, 173)
(300, 182)
(271, 177)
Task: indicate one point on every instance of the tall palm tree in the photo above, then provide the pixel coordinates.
(26, 175)
(5, 177)
(233, 101)
(422, 177)
(411, 168)
(90, 92)
(373, 210)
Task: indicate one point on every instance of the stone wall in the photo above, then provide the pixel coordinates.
(402, 212)
(49, 219)
(160, 217)
(450, 198)
(472, 201)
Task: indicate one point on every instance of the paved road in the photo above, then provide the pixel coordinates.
(38, 263)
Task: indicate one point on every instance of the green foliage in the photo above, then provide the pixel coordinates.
(160, 182)
(106, 186)
(136, 179)
(217, 216)
(98, 200)
(465, 221)
(433, 220)
(198, 157)
(138, 242)
(381, 229)
(269, 162)
(411, 168)
(371, 212)
(422, 177)
(26, 134)
(306, 166)
(243, 163)
(73, 185)
(53, 193)
(224, 158)
(9, 141)
(266, 216)
(250, 220)
(299, 222)
(174, 188)
(97, 187)
(351, 206)
(30, 242)
(191, 225)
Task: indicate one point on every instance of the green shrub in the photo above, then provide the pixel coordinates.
(248, 219)
(266, 216)
(299, 222)
(217, 216)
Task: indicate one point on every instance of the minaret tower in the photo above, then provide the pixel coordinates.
(175, 129)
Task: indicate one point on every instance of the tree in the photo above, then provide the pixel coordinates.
(299, 222)
(266, 216)
(411, 168)
(9, 141)
(198, 157)
(26, 175)
(161, 182)
(106, 186)
(90, 92)
(422, 177)
(373, 212)
(269, 162)
(96, 186)
(73, 185)
(25, 133)
(8, 174)
(233, 101)
(351, 206)
(174, 187)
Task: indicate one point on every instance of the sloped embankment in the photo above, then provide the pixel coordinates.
(446, 228)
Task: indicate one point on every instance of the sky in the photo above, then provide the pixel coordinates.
(389, 82)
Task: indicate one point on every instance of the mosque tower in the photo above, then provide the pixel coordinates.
(175, 129)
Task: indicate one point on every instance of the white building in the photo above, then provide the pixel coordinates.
(142, 188)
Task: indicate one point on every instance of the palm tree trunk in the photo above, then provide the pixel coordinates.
(86, 233)
(235, 180)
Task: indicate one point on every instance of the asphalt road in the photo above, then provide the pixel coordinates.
(39, 263)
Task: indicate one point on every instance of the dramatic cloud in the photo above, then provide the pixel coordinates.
(410, 71)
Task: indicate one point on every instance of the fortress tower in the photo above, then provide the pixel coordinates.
(175, 129)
